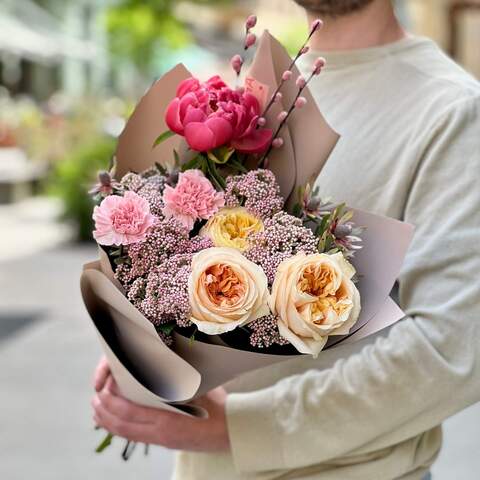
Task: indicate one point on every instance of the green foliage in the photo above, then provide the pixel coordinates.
(162, 137)
(140, 30)
(293, 37)
(72, 178)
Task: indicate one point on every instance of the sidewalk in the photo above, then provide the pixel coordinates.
(45, 416)
(48, 351)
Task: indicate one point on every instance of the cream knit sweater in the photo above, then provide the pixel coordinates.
(410, 149)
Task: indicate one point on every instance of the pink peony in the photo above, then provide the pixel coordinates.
(122, 220)
(211, 115)
(193, 198)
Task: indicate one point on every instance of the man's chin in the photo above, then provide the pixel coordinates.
(333, 8)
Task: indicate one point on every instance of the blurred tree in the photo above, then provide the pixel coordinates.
(72, 178)
(140, 29)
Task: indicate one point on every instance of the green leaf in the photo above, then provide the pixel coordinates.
(193, 163)
(297, 210)
(237, 165)
(167, 328)
(215, 176)
(347, 216)
(161, 138)
(220, 155)
(161, 168)
(323, 225)
(106, 442)
(176, 157)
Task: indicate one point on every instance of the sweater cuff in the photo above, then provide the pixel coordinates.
(254, 438)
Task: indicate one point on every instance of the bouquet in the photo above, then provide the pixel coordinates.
(217, 256)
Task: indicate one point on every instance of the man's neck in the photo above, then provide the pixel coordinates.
(373, 26)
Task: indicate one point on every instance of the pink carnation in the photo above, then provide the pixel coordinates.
(193, 198)
(122, 220)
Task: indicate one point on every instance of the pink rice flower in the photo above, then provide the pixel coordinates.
(210, 115)
(122, 220)
(193, 198)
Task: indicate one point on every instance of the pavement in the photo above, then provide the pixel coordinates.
(47, 354)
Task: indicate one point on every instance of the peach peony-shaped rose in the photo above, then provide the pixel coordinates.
(226, 290)
(193, 198)
(314, 297)
(122, 220)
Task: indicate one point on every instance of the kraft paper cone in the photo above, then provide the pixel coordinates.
(134, 151)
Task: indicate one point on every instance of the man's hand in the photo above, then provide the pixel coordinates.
(153, 426)
(102, 372)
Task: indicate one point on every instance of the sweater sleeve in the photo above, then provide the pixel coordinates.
(428, 367)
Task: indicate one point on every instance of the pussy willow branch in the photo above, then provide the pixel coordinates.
(284, 121)
(294, 61)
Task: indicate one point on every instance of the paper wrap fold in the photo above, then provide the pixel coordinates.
(146, 370)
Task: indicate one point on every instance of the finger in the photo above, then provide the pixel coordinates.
(112, 387)
(126, 410)
(136, 432)
(102, 373)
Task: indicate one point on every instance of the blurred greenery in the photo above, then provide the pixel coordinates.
(139, 30)
(294, 36)
(72, 178)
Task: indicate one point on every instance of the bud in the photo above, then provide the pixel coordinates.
(300, 102)
(301, 82)
(313, 204)
(287, 75)
(304, 50)
(277, 142)
(341, 231)
(261, 121)
(250, 40)
(251, 22)
(236, 62)
(172, 178)
(278, 97)
(282, 116)
(104, 178)
(318, 64)
(316, 25)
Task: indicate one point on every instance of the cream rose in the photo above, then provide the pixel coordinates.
(226, 290)
(230, 227)
(314, 297)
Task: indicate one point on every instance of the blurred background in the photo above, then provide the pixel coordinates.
(71, 72)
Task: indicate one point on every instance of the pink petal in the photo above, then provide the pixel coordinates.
(172, 117)
(251, 103)
(193, 114)
(187, 101)
(216, 82)
(189, 85)
(257, 142)
(222, 130)
(199, 136)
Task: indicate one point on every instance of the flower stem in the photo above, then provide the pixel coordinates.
(106, 442)
(284, 121)
(293, 62)
(128, 450)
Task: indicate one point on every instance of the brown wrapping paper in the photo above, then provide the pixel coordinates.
(146, 370)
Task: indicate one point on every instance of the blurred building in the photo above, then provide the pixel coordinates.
(52, 45)
(454, 24)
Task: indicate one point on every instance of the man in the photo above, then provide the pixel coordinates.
(410, 148)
